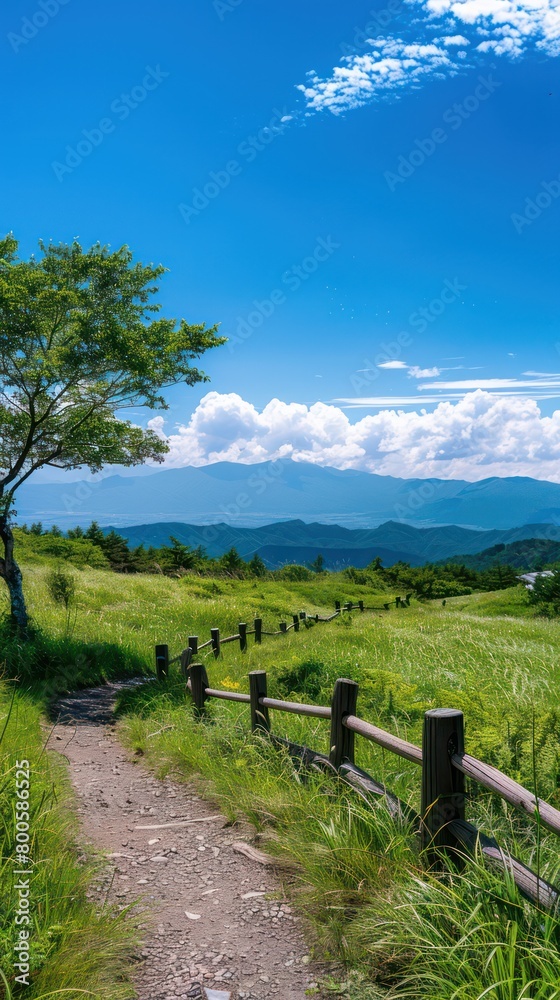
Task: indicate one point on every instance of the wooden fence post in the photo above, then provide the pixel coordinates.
(397, 602)
(387, 607)
(303, 615)
(443, 786)
(242, 627)
(337, 605)
(162, 662)
(186, 658)
(215, 634)
(199, 683)
(343, 703)
(348, 606)
(193, 643)
(296, 622)
(258, 630)
(361, 605)
(283, 627)
(260, 720)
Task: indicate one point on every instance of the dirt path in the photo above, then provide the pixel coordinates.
(213, 915)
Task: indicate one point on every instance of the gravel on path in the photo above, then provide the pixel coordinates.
(211, 914)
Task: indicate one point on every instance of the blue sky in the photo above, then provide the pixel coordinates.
(371, 242)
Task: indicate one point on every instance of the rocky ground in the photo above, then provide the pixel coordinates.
(211, 914)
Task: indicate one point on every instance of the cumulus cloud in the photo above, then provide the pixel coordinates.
(513, 24)
(390, 365)
(500, 27)
(478, 436)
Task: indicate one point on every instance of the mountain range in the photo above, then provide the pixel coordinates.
(297, 542)
(252, 495)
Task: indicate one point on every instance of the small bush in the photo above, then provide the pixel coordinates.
(546, 594)
(295, 574)
(62, 587)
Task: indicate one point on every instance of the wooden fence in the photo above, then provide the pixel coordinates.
(302, 618)
(441, 824)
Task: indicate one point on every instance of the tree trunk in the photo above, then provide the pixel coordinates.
(11, 573)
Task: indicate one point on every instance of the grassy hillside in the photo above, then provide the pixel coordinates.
(486, 654)
(359, 879)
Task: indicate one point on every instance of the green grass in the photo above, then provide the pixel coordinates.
(77, 949)
(399, 931)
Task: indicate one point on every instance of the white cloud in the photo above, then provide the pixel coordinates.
(514, 23)
(475, 437)
(494, 383)
(392, 64)
(389, 365)
(415, 372)
(501, 27)
(157, 424)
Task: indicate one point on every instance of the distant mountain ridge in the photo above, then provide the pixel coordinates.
(298, 542)
(253, 495)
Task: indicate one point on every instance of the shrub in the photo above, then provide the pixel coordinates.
(295, 573)
(62, 587)
(546, 594)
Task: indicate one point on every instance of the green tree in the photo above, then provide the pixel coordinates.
(178, 556)
(77, 532)
(116, 549)
(318, 564)
(95, 534)
(36, 528)
(80, 340)
(232, 562)
(257, 566)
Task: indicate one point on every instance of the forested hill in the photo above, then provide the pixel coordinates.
(298, 542)
(526, 554)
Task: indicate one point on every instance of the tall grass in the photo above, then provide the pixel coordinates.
(359, 877)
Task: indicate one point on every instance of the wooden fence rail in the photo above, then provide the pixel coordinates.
(216, 642)
(441, 824)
